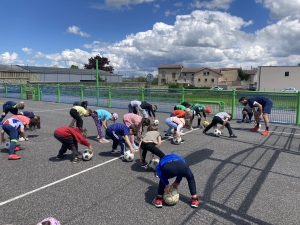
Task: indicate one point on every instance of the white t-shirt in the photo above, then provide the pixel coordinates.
(223, 115)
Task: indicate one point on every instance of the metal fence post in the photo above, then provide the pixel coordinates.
(142, 94)
(182, 94)
(81, 93)
(298, 110)
(233, 104)
(39, 92)
(58, 93)
(109, 97)
(6, 90)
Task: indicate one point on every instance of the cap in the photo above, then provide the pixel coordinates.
(208, 110)
(115, 115)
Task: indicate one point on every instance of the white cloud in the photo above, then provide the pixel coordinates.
(118, 4)
(8, 58)
(156, 7)
(168, 12)
(178, 4)
(202, 38)
(76, 30)
(214, 4)
(281, 8)
(27, 50)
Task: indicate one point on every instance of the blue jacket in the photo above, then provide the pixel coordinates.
(164, 160)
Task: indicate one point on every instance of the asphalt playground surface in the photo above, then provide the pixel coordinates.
(248, 180)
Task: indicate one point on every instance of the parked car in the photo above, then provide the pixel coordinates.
(290, 89)
(240, 88)
(216, 88)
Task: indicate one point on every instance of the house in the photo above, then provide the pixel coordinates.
(276, 78)
(187, 76)
(169, 73)
(207, 77)
(251, 83)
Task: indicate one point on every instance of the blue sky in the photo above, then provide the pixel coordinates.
(139, 35)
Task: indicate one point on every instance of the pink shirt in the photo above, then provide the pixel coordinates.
(131, 118)
(179, 121)
(23, 119)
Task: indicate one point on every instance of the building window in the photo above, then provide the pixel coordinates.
(198, 80)
(173, 75)
(204, 73)
(192, 74)
(207, 73)
(212, 80)
(286, 74)
(205, 80)
(163, 81)
(164, 75)
(184, 74)
(193, 79)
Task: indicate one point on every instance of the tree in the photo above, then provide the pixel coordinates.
(243, 75)
(74, 67)
(103, 64)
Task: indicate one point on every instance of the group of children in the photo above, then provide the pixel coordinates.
(133, 125)
(15, 126)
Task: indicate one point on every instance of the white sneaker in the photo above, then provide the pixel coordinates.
(114, 151)
(21, 139)
(135, 147)
(191, 128)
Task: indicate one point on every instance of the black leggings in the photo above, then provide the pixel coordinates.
(150, 146)
(66, 143)
(217, 120)
(177, 169)
(77, 117)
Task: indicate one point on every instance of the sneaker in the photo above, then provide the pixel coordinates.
(114, 151)
(21, 139)
(233, 136)
(200, 126)
(195, 202)
(135, 147)
(58, 157)
(144, 165)
(191, 128)
(13, 157)
(76, 160)
(168, 135)
(17, 149)
(265, 133)
(104, 141)
(255, 129)
(182, 141)
(157, 202)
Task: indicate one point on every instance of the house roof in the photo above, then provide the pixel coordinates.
(228, 69)
(190, 70)
(11, 68)
(170, 66)
(213, 70)
(250, 72)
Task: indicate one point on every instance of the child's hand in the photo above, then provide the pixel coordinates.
(90, 149)
(175, 185)
(132, 150)
(26, 139)
(167, 189)
(152, 155)
(222, 127)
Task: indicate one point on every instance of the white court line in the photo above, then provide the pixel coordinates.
(68, 177)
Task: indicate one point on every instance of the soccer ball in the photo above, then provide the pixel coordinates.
(153, 163)
(205, 123)
(156, 122)
(217, 132)
(177, 141)
(173, 197)
(86, 156)
(7, 145)
(128, 156)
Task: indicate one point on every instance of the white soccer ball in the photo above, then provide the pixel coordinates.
(86, 155)
(173, 197)
(7, 145)
(217, 132)
(153, 163)
(128, 156)
(156, 122)
(177, 141)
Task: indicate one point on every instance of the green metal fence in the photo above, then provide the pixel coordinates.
(286, 107)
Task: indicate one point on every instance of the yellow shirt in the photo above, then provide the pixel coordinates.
(80, 110)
